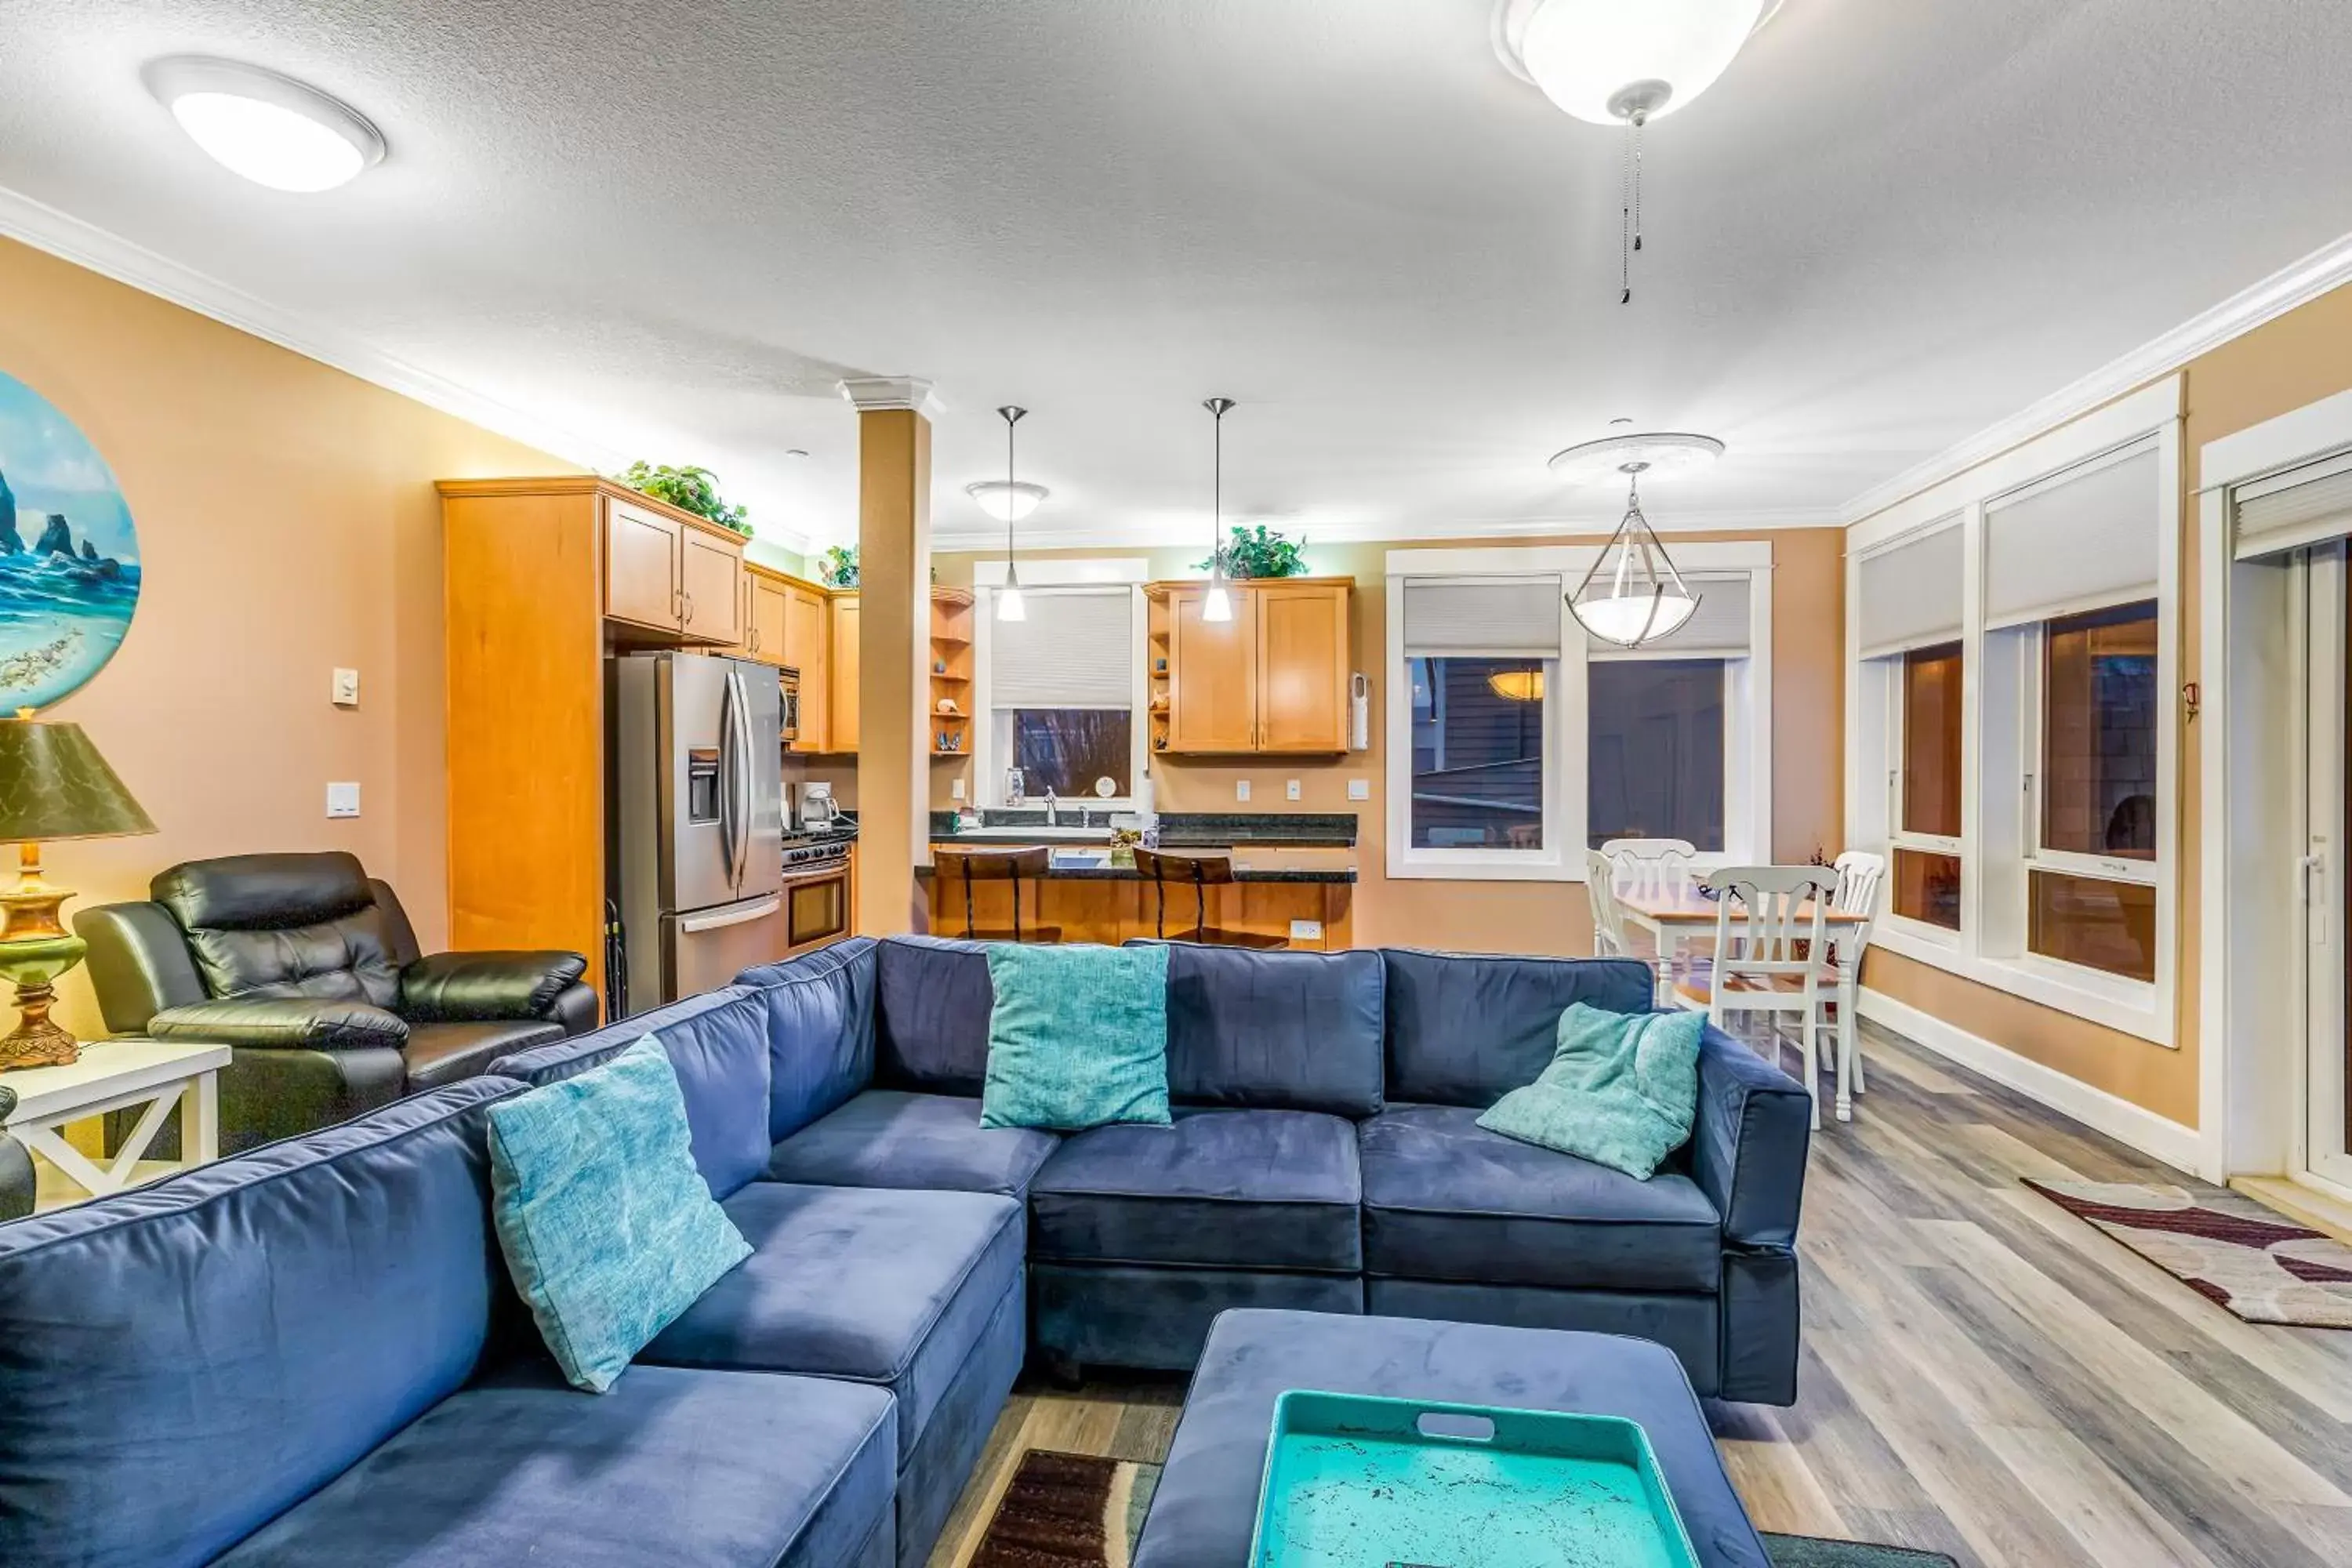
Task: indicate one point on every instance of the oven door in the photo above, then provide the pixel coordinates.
(816, 905)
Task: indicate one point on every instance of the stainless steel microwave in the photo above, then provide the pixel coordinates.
(791, 703)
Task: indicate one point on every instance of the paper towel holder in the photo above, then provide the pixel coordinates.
(1359, 712)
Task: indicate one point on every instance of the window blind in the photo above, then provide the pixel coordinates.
(2085, 542)
(1513, 618)
(2302, 506)
(1910, 595)
(1718, 629)
(1074, 649)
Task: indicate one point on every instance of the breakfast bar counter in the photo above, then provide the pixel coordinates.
(1301, 894)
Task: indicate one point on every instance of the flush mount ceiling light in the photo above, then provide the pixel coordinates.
(1008, 500)
(1217, 604)
(1632, 595)
(272, 129)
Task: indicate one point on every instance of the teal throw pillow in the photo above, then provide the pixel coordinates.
(609, 1230)
(1622, 1089)
(1078, 1036)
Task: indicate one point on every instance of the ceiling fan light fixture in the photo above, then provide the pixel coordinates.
(1609, 62)
(272, 129)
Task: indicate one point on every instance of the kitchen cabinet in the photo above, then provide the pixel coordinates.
(710, 589)
(808, 631)
(1273, 678)
(766, 598)
(670, 572)
(841, 731)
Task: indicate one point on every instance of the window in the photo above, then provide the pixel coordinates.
(1060, 692)
(1927, 865)
(1654, 751)
(2091, 893)
(1477, 752)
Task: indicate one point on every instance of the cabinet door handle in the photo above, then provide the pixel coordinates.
(690, 605)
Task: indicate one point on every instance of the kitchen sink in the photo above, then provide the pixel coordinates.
(1079, 860)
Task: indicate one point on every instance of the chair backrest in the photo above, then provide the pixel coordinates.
(1600, 892)
(992, 864)
(310, 925)
(1650, 864)
(1859, 873)
(1159, 866)
(1762, 914)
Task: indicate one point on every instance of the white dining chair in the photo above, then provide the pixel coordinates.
(1612, 936)
(1770, 924)
(1652, 864)
(1860, 874)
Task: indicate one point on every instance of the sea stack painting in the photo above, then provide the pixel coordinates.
(69, 554)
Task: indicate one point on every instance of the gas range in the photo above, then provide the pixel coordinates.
(817, 849)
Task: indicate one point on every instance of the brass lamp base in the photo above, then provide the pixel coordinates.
(35, 949)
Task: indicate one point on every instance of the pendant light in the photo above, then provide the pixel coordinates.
(1632, 594)
(1217, 604)
(1008, 500)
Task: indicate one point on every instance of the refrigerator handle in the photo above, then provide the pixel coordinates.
(730, 766)
(743, 776)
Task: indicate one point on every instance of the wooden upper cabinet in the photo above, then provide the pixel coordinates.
(808, 630)
(642, 566)
(711, 579)
(1211, 675)
(764, 601)
(842, 722)
(1302, 667)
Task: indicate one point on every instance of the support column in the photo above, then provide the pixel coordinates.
(894, 563)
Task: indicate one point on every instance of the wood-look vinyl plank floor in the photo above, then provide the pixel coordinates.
(1983, 1375)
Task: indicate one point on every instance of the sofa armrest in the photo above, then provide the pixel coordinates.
(481, 987)
(282, 1023)
(1748, 1142)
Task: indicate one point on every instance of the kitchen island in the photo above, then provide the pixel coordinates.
(1303, 894)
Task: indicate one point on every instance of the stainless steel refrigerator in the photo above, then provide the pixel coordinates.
(698, 825)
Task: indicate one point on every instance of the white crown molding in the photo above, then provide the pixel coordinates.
(2298, 283)
(1146, 536)
(872, 393)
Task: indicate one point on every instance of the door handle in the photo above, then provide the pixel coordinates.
(743, 775)
(718, 920)
(690, 605)
(728, 763)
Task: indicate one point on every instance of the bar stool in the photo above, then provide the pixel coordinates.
(1202, 871)
(969, 865)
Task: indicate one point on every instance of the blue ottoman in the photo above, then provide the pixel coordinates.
(1206, 1506)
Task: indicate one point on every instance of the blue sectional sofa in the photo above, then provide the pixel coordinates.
(311, 1353)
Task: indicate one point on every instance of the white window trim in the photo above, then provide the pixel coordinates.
(987, 577)
(2141, 1009)
(1747, 716)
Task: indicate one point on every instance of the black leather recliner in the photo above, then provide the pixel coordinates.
(15, 1165)
(309, 969)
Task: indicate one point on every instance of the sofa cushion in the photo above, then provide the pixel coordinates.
(931, 1003)
(171, 1384)
(1078, 1036)
(1275, 1031)
(717, 1042)
(820, 1030)
(891, 1138)
(672, 1466)
(445, 1053)
(1446, 1199)
(1466, 1030)
(1239, 1189)
(878, 1286)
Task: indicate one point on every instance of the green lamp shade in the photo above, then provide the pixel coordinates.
(54, 784)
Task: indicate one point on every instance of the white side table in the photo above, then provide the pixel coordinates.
(116, 1075)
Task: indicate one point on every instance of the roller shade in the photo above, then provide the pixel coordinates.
(1910, 595)
(2083, 542)
(2303, 506)
(1509, 618)
(1074, 649)
(1718, 629)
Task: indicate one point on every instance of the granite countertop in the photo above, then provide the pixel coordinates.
(1251, 865)
(1178, 830)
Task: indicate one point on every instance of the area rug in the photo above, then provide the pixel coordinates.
(2225, 1247)
(1073, 1510)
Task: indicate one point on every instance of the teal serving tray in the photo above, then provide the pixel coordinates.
(1358, 1482)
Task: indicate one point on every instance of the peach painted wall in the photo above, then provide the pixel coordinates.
(287, 525)
(1808, 698)
(2296, 359)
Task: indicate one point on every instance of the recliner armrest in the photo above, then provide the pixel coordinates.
(1748, 1142)
(286, 1023)
(481, 987)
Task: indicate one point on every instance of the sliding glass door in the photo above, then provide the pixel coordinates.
(2327, 1110)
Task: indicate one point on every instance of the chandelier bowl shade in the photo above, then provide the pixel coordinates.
(1006, 500)
(1603, 60)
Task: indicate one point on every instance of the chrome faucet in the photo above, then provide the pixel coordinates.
(1052, 808)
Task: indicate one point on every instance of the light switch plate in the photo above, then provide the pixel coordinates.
(955, 789)
(345, 691)
(1359, 789)
(1241, 789)
(343, 800)
(1290, 789)
(1306, 930)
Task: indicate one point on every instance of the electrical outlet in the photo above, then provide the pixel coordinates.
(345, 691)
(343, 800)
(1359, 789)
(1306, 930)
(1241, 789)
(1290, 789)
(955, 789)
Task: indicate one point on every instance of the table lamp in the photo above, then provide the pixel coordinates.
(53, 785)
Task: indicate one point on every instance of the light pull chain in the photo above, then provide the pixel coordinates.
(1629, 235)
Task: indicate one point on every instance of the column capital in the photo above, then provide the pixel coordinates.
(873, 393)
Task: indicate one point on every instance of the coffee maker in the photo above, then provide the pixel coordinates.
(819, 814)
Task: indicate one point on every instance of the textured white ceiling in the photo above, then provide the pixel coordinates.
(671, 227)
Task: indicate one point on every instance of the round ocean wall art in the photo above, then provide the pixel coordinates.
(69, 554)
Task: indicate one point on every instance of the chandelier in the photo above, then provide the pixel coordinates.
(1632, 594)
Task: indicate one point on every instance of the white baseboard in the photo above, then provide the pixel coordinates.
(2119, 1119)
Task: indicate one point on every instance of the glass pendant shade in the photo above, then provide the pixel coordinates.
(1632, 595)
(1603, 60)
(1009, 606)
(1217, 604)
(1006, 500)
